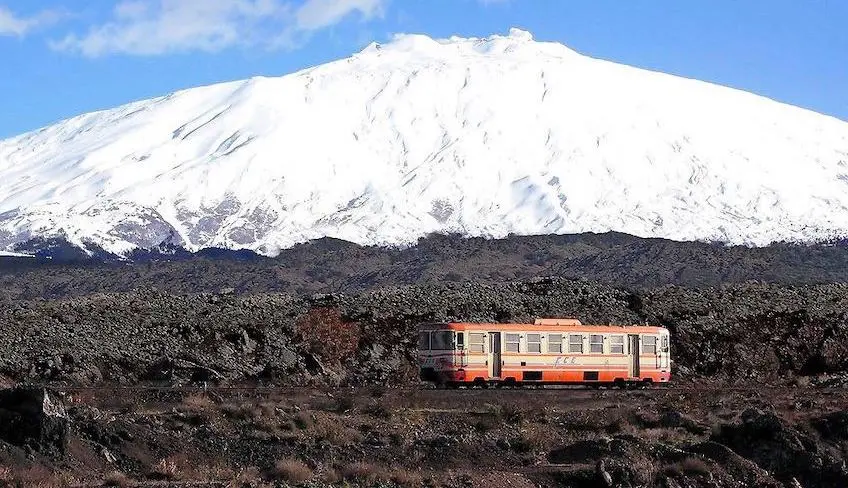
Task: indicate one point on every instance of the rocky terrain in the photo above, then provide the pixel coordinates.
(732, 333)
(408, 438)
(758, 395)
(333, 266)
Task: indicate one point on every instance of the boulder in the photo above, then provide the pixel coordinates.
(35, 418)
(765, 439)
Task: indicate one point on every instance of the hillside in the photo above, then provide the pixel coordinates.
(331, 266)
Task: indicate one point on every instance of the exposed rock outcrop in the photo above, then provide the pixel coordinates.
(34, 418)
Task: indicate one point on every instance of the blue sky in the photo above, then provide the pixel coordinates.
(63, 58)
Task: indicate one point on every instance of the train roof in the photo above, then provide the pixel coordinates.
(541, 325)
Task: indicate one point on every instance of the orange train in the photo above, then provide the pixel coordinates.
(549, 351)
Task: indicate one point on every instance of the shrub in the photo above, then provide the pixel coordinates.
(344, 404)
(250, 476)
(691, 466)
(170, 468)
(197, 402)
(336, 433)
(406, 479)
(380, 411)
(331, 476)
(363, 472)
(302, 420)
(292, 471)
(36, 475)
(328, 335)
(643, 470)
(507, 413)
(116, 479)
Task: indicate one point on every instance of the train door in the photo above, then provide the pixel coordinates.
(494, 354)
(664, 351)
(633, 349)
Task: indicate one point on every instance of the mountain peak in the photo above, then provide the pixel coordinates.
(430, 46)
(521, 34)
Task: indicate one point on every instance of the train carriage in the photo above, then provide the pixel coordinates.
(549, 351)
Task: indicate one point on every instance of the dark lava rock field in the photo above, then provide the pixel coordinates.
(765, 329)
(774, 438)
(735, 334)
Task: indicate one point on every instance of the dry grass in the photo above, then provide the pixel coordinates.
(197, 402)
(216, 472)
(36, 476)
(172, 468)
(331, 476)
(510, 414)
(364, 473)
(530, 440)
(379, 411)
(302, 420)
(335, 432)
(116, 479)
(644, 471)
(292, 471)
(5, 474)
(250, 476)
(691, 466)
(405, 478)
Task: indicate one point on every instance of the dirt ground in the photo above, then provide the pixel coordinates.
(673, 437)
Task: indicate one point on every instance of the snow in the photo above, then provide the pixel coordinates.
(482, 136)
(7, 254)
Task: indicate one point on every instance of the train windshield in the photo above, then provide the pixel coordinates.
(424, 341)
(441, 340)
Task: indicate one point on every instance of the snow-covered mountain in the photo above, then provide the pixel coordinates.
(478, 136)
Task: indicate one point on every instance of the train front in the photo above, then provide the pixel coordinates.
(441, 354)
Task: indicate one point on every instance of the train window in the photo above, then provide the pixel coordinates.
(512, 342)
(664, 343)
(596, 344)
(616, 344)
(441, 340)
(460, 341)
(424, 341)
(575, 343)
(555, 343)
(649, 345)
(534, 343)
(476, 342)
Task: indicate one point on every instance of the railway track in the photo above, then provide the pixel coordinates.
(414, 389)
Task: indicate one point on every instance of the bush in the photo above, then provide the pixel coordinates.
(379, 411)
(691, 466)
(363, 472)
(170, 468)
(292, 471)
(116, 479)
(344, 404)
(510, 414)
(328, 335)
(302, 420)
(405, 479)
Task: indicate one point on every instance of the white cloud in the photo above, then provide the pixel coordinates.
(151, 27)
(13, 25)
(317, 14)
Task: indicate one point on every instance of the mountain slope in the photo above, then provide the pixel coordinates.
(476, 136)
